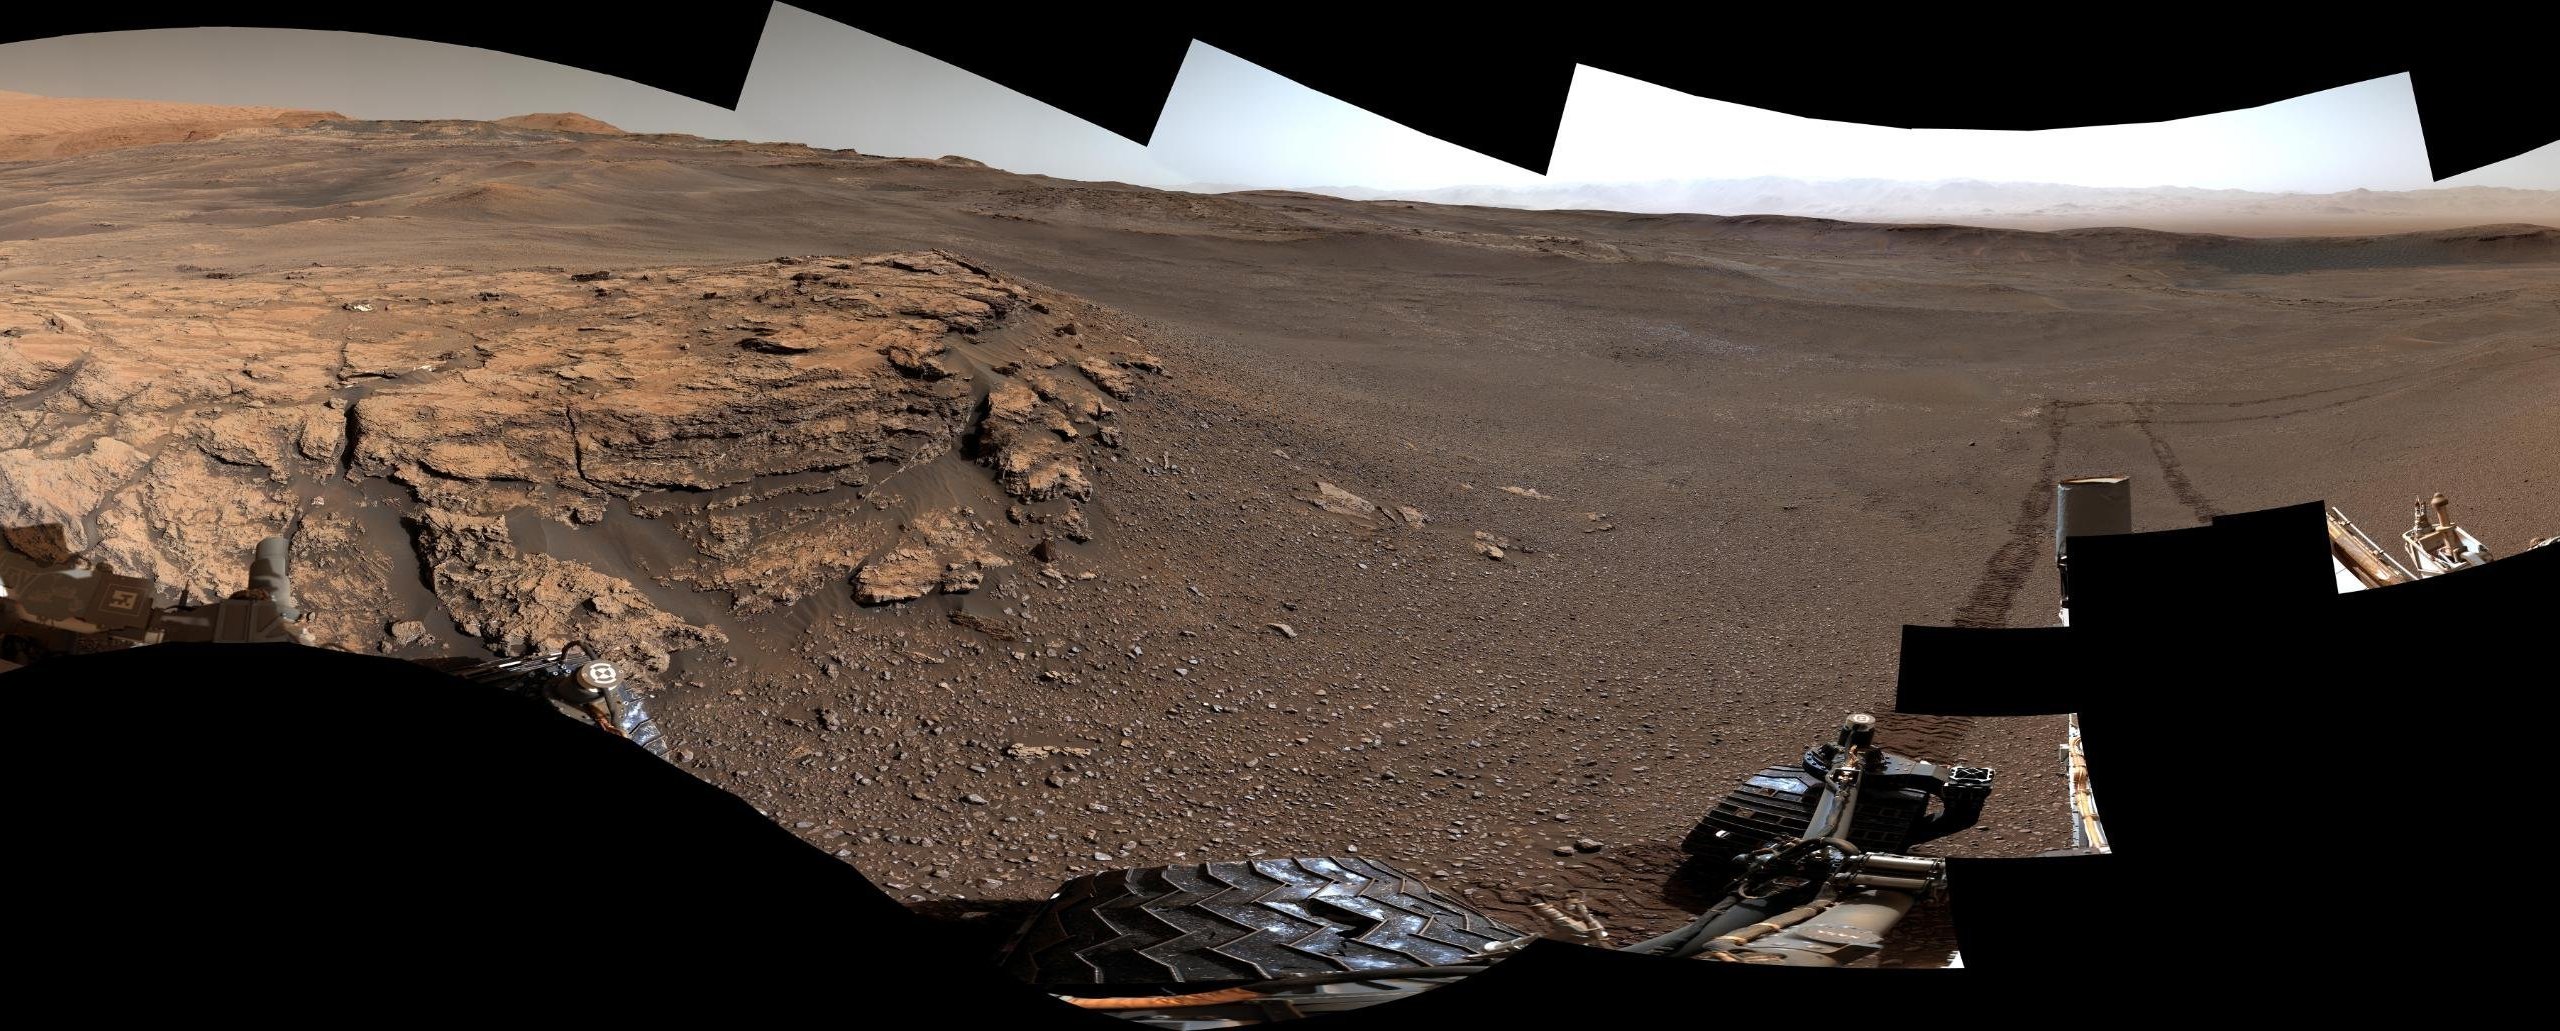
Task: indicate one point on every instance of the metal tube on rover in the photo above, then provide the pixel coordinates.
(2087, 506)
(271, 572)
(1913, 866)
(1846, 931)
(1839, 803)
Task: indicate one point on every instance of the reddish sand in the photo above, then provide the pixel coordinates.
(35, 128)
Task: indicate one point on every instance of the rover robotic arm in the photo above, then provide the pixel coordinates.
(78, 608)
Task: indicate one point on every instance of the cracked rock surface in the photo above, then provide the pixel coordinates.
(564, 457)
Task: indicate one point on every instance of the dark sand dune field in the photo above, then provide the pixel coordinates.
(974, 525)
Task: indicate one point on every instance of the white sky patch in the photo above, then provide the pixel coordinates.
(355, 74)
(1230, 121)
(2536, 169)
(1233, 124)
(831, 85)
(1230, 124)
(2364, 135)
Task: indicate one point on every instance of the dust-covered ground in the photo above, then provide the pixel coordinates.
(1007, 528)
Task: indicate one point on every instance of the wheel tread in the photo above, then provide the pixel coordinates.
(1235, 922)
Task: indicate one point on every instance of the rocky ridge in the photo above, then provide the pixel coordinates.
(890, 426)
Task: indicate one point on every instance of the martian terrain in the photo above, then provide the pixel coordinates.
(987, 529)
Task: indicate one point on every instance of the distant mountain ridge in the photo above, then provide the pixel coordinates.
(2016, 205)
(38, 128)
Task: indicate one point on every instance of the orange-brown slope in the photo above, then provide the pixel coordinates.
(562, 121)
(35, 127)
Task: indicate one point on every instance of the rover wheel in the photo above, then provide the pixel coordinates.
(1232, 923)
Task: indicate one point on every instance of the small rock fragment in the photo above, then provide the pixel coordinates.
(1023, 751)
(1339, 501)
(1111, 379)
(904, 574)
(777, 345)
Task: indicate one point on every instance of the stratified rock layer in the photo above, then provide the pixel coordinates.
(766, 433)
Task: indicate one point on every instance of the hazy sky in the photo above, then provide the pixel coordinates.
(1231, 123)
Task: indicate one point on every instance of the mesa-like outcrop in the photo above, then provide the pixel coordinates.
(540, 457)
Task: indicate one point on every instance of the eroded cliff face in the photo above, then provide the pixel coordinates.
(621, 458)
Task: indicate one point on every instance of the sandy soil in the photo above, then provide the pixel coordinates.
(1077, 428)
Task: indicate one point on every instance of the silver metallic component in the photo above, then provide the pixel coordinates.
(1840, 798)
(76, 606)
(1848, 929)
(589, 682)
(1854, 752)
(588, 686)
(1914, 866)
(2436, 544)
(2360, 559)
(270, 572)
(630, 720)
(2088, 506)
(1919, 875)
